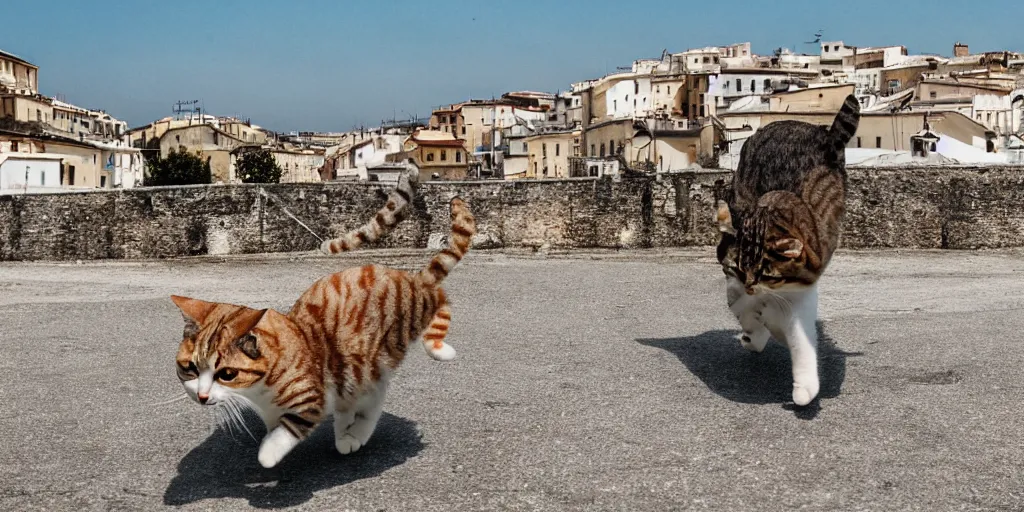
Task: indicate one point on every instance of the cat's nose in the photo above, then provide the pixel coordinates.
(203, 397)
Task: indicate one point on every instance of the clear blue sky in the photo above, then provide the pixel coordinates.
(330, 65)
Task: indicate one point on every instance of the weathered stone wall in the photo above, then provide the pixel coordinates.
(955, 208)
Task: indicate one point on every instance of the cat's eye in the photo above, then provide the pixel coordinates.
(226, 374)
(189, 369)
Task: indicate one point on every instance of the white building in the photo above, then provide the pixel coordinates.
(1000, 114)
(630, 98)
(29, 173)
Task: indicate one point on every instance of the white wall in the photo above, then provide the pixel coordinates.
(629, 98)
(992, 110)
(41, 174)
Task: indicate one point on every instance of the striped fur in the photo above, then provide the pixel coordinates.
(779, 231)
(333, 352)
(384, 221)
(844, 126)
(790, 185)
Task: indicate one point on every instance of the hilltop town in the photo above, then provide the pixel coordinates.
(680, 112)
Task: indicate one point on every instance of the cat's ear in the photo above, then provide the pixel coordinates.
(249, 345)
(724, 218)
(791, 248)
(194, 311)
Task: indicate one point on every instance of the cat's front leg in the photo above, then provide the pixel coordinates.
(276, 445)
(291, 429)
(745, 307)
(792, 320)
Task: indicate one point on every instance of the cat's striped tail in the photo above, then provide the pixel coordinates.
(463, 229)
(384, 221)
(845, 123)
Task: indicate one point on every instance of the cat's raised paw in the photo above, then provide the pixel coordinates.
(347, 444)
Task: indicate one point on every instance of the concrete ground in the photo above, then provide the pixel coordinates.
(597, 381)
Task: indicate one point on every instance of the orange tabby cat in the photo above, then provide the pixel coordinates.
(334, 352)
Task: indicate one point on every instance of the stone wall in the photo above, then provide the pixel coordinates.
(954, 208)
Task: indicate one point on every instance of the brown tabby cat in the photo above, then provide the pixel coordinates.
(334, 352)
(779, 231)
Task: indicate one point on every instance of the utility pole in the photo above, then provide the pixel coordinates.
(26, 179)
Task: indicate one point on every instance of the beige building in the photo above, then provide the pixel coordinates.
(439, 155)
(548, 154)
(813, 99)
(211, 143)
(18, 76)
(23, 108)
(298, 166)
(608, 138)
(82, 165)
(243, 131)
(878, 130)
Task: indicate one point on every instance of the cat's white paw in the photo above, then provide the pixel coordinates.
(445, 353)
(275, 446)
(803, 393)
(347, 443)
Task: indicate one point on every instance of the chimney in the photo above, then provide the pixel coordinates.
(960, 50)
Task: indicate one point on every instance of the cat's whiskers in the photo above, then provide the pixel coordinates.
(230, 414)
(169, 400)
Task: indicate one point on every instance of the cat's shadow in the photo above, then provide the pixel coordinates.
(728, 370)
(226, 467)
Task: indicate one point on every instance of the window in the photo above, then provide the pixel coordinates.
(611, 147)
(835, 48)
(557, 149)
(825, 48)
(767, 84)
(988, 118)
(932, 94)
(94, 158)
(636, 87)
(444, 155)
(752, 85)
(716, 58)
(458, 156)
(661, 163)
(602, 150)
(42, 178)
(858, 142)
(451, 119)
(878, 142)
(627, 98)
(526, 147)
(103, 182)
(463, 130)
(39, 115)
(726, 86)
(739, 85)
(14, 143)
(657, 89)
(695, 60)
(430, 157)
(71, 175)
(615, 105)
(592, 150)
(707, 60)
(668, 89)
(544, 149)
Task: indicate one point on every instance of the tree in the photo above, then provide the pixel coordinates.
(258, 166)
(179, 168)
